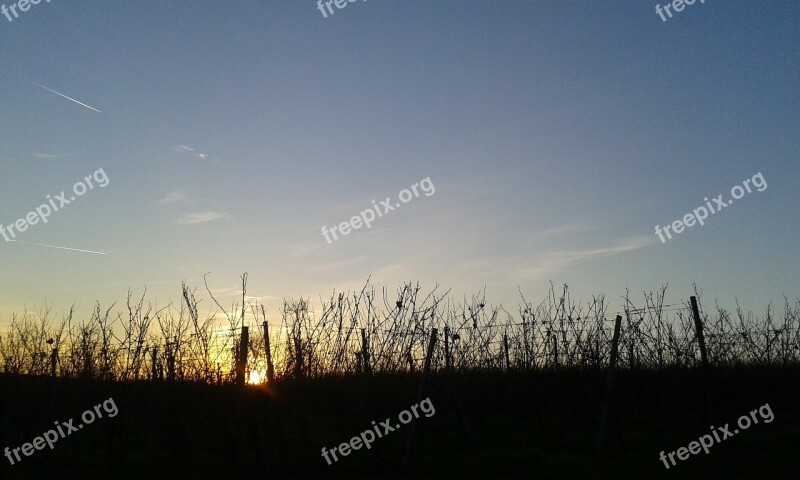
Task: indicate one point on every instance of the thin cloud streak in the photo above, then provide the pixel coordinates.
(184, 149)
(49, 156)
(628, 245)
(545, 263)
(555, 261)
(68, 98)
(201, 217)
(172, 197)
(569, 229)
(62, 248)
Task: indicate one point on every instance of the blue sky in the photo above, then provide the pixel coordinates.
(557, 135)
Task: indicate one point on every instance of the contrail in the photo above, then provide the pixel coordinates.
(63, 248)
(68, 98)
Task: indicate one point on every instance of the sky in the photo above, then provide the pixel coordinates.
(556, 135)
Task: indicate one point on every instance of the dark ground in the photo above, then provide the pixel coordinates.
(503, 425)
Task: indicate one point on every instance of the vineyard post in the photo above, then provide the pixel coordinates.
(170, 349)
(505, 348)
(555, 351)
(241, 358)
(53, 362)
(609, 384)
(365, 353)
(270, 367)
(698, 326)
(154, 360)
(525, 350)
(420, 391)
(447, 348)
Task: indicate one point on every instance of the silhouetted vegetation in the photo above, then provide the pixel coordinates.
(515, 392)
(362, 332)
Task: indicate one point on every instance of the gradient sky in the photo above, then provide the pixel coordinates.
(557, 135)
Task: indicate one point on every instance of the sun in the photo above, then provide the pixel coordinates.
(255, 378)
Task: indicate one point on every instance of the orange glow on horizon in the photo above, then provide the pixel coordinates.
(256, 378)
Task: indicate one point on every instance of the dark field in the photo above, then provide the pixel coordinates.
(506, 398)
(486, 425)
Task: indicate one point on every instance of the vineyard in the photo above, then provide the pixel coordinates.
(365, 333)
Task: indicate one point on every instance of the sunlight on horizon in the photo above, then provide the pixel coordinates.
(255, 378)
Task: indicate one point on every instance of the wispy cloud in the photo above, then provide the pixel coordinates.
(259, 297)
(187, 150)
(554, 261)
(234, 290)
(173, 197)
(62, 248)
(569, 229)
(200, 217)
(543, 263)
(627, 245)
(68, 98)
(49, 156)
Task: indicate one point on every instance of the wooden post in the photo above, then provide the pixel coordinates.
(359, 364)
(241, 357)
(555, 351)
(270, 367)
(447, 349)
(365, 353)
(525, 356)
(426, 370)
(53, 362)
(609, 384)
(171, 361)
(154, 362)
(698, 326)
(505, 347)
(87, 359)
(631, 356)
(299, 370)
